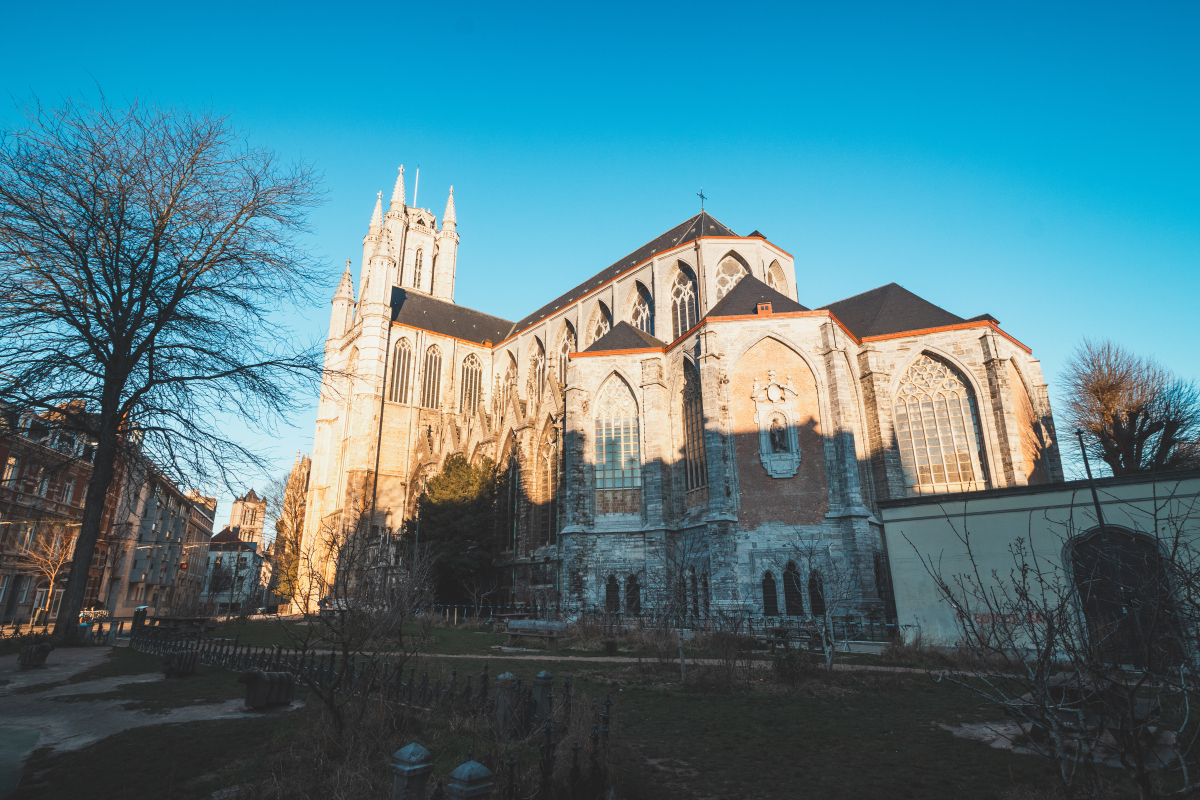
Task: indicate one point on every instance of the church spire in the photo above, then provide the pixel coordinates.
(377, 215)
(345, 289)
(448, 218)
(398, 192)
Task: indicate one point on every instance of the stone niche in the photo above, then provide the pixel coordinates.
(775, 416)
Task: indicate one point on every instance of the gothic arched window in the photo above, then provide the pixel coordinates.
(612, 595)
(770, 595)
(549, 497)
(601, 323)
(695, 591)
(728, 274)
(695, 464)
(510, 381)
(704, 591)
(618, 450)
(401, 372)
(937, 428)
(565, 347)
(417, 268)
(816, 593)
(792, 601)
(683, 302)
(472, 381)
(776, 279)
(537, 368)
(633, 595)
(431, 384)
(643, 309)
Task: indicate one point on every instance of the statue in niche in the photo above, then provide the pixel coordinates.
(779, 437)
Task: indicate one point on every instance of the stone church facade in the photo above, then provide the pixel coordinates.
(680, 419)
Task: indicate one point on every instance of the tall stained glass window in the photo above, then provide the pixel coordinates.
(472, 380)
(401, 372)
(683, 303)
(431, 384)
(696, 467)
(937, 428)
(618, 450)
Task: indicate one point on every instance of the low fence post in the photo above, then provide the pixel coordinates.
(471, 781)
(543, 685)
(411, 766)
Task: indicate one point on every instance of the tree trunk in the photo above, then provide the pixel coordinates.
(103, 469)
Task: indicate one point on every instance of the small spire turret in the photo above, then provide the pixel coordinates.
(448, 218)
(377, 214)
(345, 289)
(398, 192)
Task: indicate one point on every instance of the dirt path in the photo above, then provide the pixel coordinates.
(541, 655)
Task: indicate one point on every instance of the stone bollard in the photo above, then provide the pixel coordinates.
(508, 711)
(543, 685)
(411, 766)
(471, 780)
(114, 630)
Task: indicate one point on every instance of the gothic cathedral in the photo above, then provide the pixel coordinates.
(679, 422)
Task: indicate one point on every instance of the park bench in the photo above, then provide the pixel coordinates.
(548, 632)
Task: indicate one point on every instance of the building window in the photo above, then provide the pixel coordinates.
(431, 384)
(770, 595)
(68, 490)
(601, 323)
(12, 469)
(633, 595)
(776, 279)
(729, 274)
(401, 372)
(549, 493)
(816, 593)
(643, 309)
(612, 595)
(618, 452)
(566, 347)
(683, 302)
(43, 483)
(937, 428)
(704, 591)
(417, 268)
(472, 381)
(792, 602)
(506, 390)
(695, 465)
(537, 369)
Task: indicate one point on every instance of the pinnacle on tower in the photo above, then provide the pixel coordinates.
(346, 287)
(377, 215)
(448, 217)
(398, 192)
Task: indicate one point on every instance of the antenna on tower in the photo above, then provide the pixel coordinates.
(416, 185)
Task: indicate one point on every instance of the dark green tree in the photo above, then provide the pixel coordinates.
(457, 531)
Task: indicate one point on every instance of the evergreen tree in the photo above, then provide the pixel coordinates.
(456, 524)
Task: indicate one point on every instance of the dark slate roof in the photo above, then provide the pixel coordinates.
(624, 336)
(226, 535)
(700, 225)
(889, 309)
(756, 235)
(745, 297)
(438, 316)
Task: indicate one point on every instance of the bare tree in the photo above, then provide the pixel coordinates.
(1094, 655)
(145, 253)
(478, 589)
(47, 554)
(1136, 415)
(831, 582)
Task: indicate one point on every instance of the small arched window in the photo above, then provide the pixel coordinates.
(937, 429)
(472, 382)
(612, 595)
(537, 368)
(401, 372)
(683, 302)
(618, 450)
(770, 595)
(549, 497)
(431, 384)
(704, 591)
(695, 585)
(695, 464)
(633, 595)
(601, 322)
(643, 309)
(417, 261)
(565, 347)
(792, 601)
(816, 593)
(510, 381)
(729, 274)
(776, 279)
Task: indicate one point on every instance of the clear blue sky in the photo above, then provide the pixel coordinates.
(1037, 162)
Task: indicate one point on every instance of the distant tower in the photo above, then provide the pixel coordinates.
(447, 253)
(246, 518)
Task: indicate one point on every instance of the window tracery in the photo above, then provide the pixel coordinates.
(566, 347)
(401, 372)
(643, 310)
(417, 268)
(776, 279)
(601, 323)
(729, 274)
(431, 386)
(618, 451)
(937, 428)
(472, 381)
(683, 303)
(695, 464)
(537, 369)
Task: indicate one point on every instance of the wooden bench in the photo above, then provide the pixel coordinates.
(548, 632)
